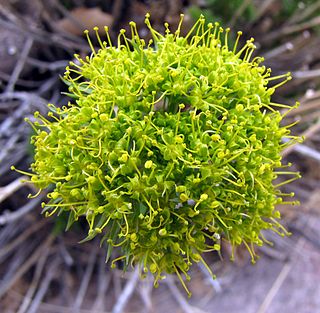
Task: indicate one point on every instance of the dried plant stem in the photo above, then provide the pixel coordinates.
(275, 288)
(26, 265)
(35, 281)
(7, 232)
(24, 235)
(103, 284)
(264, 7)
(278, 50)
(185, 306)
(146, 292)
(10, 144)
(54, 308)
(18, 155)
(310, 105)
(42, 36)
(127, 292)
(17, 261)
(11, 217)
(32, 98)
(52, 66)
(280, 279)
(215, 284)
(85, 280)
(8, 190)
(239, 12)
(288, 30)
(306, 74)
(307, 151)
(45, 283)
(19, 66)
(307, 134)
(303, 15)
(67, 258)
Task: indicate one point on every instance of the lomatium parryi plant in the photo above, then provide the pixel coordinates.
(167, 147)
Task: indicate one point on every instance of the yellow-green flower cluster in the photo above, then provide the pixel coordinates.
(167, 147)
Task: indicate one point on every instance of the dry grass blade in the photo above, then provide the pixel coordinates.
(126, 292)
(19, 67)
(177, 295)
(281, 277)
(307, 106)
(263, 8)
(8, 190)
(85, 280)
(16, 24)
(215, 283)
(239, 12)
(288, 46)
(23, 236)
(103, 283)
(5, 286)
(19, 213)
(45, 283)
(35, 281)
(288, 30)
(145, 291)
(307, 135)
(300, 16)
(306, 151)
(306, 74)
(275, 288)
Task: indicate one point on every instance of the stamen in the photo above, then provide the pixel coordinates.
(106, 29)
(239, 34)
(21, 172)
(182, 281)
(177, 32)
(86, 32)
(96, 29)
(226, 38)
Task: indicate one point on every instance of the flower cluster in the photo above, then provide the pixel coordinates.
(167, 147)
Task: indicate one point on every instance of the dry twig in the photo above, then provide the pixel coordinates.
(126, 292)
(103, 283)
(288, 30)
(20, 65)
(8, 190)
(45, 283)
(4, 287)
(275, 288)
(34, 283)
(22, 237)
(185, 306)
(7, 217)
(85, 280)
(304, 149)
